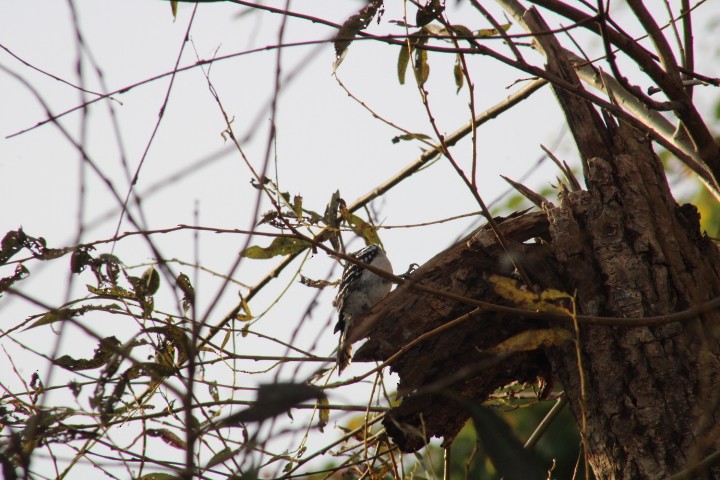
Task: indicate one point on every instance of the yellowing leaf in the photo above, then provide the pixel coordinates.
(244, 307)
(491, 32)
(458, 73)
(360, 226)
(228, 334)
(462, 31)
(531, 340)
(183, 283)
(548, 300)
(279, 246)
(297, 206)
(403, 61)
(323, 413)
(422, 68)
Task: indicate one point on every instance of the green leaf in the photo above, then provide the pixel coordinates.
(173, 8)
(491, 32)
(244, 307)
(183, 283)
(510, 458)
(422, 68)
(458, 73)
(403, 61)
(220, 457)
(360, 227)
(279, 246)
(150, 281)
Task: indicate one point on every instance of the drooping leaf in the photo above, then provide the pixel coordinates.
(532, 340)
(107, 347)
(352, 27)
(173, 8)
(183, 283)
(429, 12)
(422, 68)
(297, 206)
(244, 307)
(177, 337)
(80, 259)
(110, 272)
(458, 73)
(213, 391)
(226, 339)
(360, 227)
(323, 413)
(331, 220)
(403, 61)
(12, 243)
(279, 246)
(150, 280)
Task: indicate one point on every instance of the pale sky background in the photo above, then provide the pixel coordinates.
(325, 142)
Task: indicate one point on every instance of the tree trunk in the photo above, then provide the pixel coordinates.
(650, 393)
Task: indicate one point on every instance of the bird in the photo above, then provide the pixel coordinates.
(359, 290)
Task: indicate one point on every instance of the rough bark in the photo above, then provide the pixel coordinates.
(649, 406)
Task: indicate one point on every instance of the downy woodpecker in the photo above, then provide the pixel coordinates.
(359, 290)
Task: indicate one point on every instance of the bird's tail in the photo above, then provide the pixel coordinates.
(344, 353)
